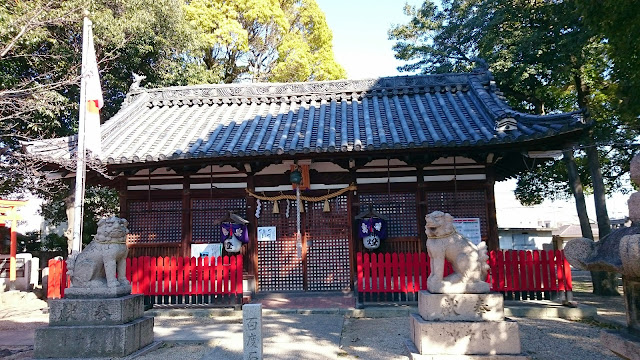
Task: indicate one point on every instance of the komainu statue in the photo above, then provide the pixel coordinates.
(619, 251)
(97, 265)
(468, 260)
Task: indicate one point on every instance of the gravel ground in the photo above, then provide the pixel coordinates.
(384, 338)
(358, 338)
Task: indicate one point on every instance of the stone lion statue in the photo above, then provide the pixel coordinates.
(468, 260)
(97, 265)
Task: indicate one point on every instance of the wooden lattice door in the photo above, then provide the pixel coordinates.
(327, 240)
(321, 263)
(280, 261)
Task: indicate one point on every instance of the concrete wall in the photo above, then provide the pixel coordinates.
(524, 239)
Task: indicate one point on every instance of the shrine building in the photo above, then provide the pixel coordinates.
(188, 160)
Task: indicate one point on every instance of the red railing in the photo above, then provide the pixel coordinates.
(185, 276)
(176, 279)
(394, 273)
(517, 273)
(529, 271)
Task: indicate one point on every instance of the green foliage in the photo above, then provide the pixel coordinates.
(100, 202)
(619, 23)
(28, 242)
(55, 242)
(40, 54)
(546, 60)
(263, 40)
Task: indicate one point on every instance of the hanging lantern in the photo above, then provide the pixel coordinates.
(233, 236)
(295, 177)
(326, 207)
(372, 231)
(276, 209)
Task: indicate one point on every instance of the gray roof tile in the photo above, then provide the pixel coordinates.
(239, 120)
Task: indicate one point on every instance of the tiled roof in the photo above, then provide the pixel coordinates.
(240, 120)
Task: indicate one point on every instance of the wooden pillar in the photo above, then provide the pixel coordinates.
(123, 197)
(421, 208)
(351, 200)
(186, 216)
(493, 243)
(252, 252)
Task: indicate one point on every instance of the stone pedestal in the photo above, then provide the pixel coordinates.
(623, 345)
(85, 328)
(463, 326)
(626, 344)
(631, 288)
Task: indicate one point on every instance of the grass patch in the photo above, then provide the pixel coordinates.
(344, 354)
(602, 325)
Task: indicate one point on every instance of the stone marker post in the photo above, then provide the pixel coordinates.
(252, 331)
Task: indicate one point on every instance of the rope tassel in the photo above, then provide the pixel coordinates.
(276, 209)
(326, 207)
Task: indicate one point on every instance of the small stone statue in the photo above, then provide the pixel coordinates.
(97, 265)
(468, 260)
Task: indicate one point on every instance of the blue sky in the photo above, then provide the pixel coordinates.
(360, 35)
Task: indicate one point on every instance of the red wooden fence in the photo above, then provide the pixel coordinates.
(176, 280)
(517, 273)
(529, 271)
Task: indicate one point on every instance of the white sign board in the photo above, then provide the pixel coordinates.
(202, 250)
(469, 228)
(266, 233)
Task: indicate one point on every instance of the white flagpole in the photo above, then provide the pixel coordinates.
(81, 164)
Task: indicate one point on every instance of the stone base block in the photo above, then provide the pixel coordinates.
(93, 341)
(414, 355)
(111, 311)
(623, 345)
(464, 338)
(460, 307)
(97, 292)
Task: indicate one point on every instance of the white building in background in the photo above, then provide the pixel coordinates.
(536, 227)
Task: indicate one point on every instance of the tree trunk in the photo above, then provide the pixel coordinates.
(604, 282)
(578, 194)
(599, 193)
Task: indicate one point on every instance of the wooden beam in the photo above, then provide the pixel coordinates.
(351, 202)
(252, 264)
(421, 207)
(493, 242)
(186, 217)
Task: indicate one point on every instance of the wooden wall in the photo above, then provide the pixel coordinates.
(168, 211)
